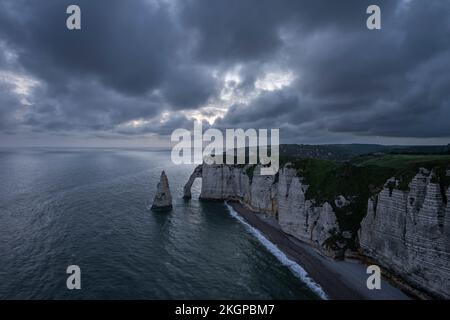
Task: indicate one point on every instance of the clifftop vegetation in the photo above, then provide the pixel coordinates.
(361, 178)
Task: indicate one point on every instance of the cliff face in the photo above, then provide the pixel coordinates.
(220, 182)
(303, 218)
(281, 196)
(408, 232)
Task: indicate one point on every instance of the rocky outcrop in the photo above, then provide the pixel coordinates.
(282, 196)
(163, 198)
(408, 232)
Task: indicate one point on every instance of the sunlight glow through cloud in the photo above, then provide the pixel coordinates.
(233, 93)
(22, 84)
(273, 81)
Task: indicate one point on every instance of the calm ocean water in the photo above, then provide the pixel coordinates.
(88, 207)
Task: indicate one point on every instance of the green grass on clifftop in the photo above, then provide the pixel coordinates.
(361, 178)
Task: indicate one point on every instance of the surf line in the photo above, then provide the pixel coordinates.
(294, 267)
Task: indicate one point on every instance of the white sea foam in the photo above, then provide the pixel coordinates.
(295, 268)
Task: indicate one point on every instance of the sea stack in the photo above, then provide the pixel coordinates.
(163, 199)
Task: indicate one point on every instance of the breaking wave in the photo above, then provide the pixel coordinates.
(295, 268)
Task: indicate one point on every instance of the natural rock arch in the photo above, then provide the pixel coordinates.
(187, 187)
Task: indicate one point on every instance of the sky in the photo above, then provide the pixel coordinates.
(139, 69)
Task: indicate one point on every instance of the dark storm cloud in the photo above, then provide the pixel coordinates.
(125, 44)
(107, 73)
(384, 83)
(275, 107)
(87, 106)
(249, 30)
(188, 87)
(141, 59)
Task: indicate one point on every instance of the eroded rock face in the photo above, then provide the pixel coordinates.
(303, 218)
(163, 198)
(284, 199)
(263, 191)
(221, 182)
(409, 233)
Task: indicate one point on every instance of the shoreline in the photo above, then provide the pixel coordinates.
(340, 280)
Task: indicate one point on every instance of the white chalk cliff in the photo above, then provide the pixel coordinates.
(163, 198)
(407, 232)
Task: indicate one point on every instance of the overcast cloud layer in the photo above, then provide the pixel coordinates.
(138, 69)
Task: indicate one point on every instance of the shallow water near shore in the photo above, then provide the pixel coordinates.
(89, 207)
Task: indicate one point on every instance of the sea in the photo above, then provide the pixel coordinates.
(89, 207)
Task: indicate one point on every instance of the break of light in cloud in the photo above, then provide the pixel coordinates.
(22, 85)
(232, 94)
(275, 81)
